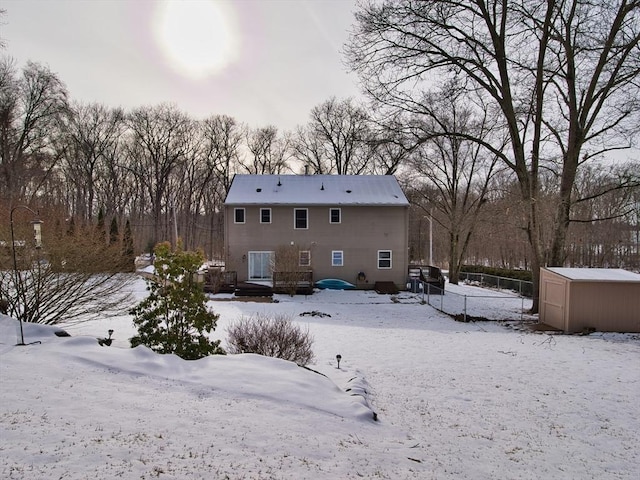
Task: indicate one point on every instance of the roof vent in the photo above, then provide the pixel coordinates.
(348, 191)
(322, 187)
(258, 190)
(279, 182)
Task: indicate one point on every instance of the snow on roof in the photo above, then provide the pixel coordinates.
(316, 190)
(595, 274)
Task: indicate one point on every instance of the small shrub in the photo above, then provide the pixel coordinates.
(274, 336)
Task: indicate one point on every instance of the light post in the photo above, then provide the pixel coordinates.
(431, 238)
(37, 235)
(430, 218)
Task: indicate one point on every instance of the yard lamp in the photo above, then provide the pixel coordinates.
(37, 236)
(338, 358)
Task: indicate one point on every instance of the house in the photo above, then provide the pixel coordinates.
(586, 299)
(348, 227)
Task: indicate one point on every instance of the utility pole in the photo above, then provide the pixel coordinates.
(431, 237)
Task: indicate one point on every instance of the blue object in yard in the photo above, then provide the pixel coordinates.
(335, 284)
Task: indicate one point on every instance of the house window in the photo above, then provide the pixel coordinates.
(301, 218)
(337, 258)
(238, 215)
(265, 215)
(334, 215)
(384, 258)
(305, 258)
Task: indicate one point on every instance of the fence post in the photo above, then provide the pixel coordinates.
(465, 308)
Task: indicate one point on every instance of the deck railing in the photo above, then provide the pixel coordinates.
(216, 281)
(293, 282)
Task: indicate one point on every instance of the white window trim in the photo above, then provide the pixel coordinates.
(270, 217)
(333, 263)
(339, 215)
(244, 215)
(300, 264)
(294, 219)
(390, 259)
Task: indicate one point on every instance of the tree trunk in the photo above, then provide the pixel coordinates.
(454, 263)
(558, 247)
(537, 255)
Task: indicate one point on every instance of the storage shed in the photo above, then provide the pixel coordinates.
(579, 299)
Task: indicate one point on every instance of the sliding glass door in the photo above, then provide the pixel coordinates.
(260, 265)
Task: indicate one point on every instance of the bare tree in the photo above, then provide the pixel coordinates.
(31, 107)
(454, 173)
(390, 147)
(75, 276)
(337, 139)
(562, 75)
(93, 132)
(160, 142)
(602, 223)
(222, 137)
(269, 151)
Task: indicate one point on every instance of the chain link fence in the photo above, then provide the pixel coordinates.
(521, 287)
(466, 307)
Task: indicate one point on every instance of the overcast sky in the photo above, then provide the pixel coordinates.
(264, 62)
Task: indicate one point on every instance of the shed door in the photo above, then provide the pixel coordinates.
(553, 303)
(260, 265)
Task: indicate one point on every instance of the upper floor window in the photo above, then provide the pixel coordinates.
(238, 215)
(335, 215)
(337, 258)
(265, 215)
(305, 258)
(384, 258)
(300, 218)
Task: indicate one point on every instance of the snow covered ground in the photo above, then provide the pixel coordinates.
(454, 400)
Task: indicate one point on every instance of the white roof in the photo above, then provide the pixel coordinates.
(595, 274)
(316, 190)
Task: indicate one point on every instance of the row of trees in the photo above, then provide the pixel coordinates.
(490, 230)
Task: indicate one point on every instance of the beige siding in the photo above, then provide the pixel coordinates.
(363, 231)
(577, 305)
(604, 306)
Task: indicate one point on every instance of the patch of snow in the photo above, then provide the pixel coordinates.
(453, 400)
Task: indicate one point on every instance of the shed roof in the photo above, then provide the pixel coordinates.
(382, 190)
(597, 274)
